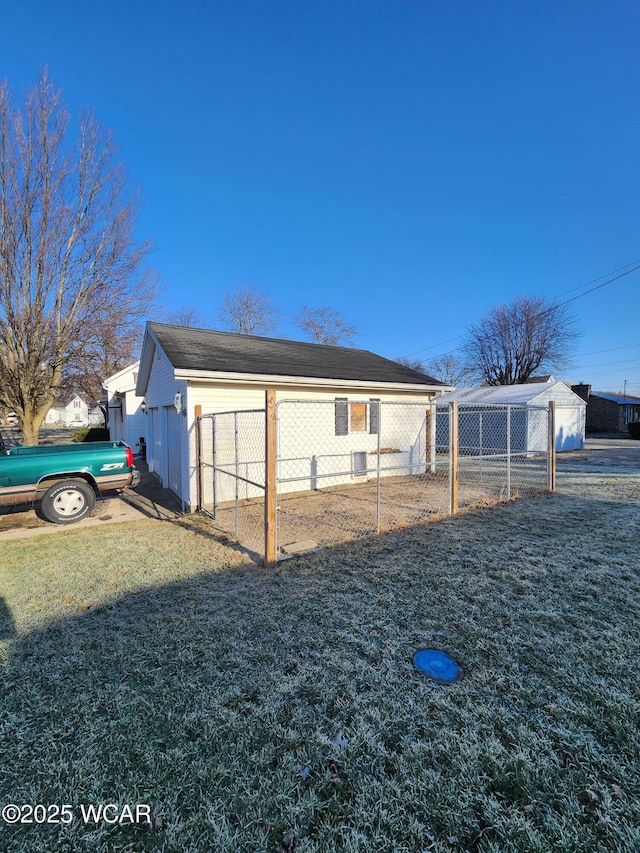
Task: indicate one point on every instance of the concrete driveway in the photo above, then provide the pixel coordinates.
(603, 454)
(148, 500)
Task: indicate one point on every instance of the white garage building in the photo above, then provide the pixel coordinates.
(570, 415)
(182, 368)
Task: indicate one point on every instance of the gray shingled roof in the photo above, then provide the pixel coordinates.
(612, 396)
(205, 349)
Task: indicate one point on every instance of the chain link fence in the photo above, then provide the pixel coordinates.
(231, 472)
(346, 469)
(502, 453)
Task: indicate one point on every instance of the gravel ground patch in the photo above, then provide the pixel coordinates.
(343, 513)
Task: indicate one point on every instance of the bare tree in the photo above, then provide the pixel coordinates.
(449, 368)
(248, 312)
(68, 252)
(188, 316)
(325, 326)
(412, 364)
(513, 341)
(112, 344)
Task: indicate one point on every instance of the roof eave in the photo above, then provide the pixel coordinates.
(306, 381)
(149, 345)
(116, 376)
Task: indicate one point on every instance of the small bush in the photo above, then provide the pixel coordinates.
(634, 429)
(91, 434)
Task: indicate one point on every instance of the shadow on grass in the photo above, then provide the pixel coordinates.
(220, 536)
(250, 707)
(7, 626)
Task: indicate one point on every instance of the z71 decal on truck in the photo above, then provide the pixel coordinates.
(65, 478)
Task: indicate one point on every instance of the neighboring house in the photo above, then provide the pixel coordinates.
(546, 379)
(181, 368)
(96, 417)
(126, 418)
(608, 411)
(73, 410)
(526, 433)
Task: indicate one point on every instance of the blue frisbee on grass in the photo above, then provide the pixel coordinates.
(437, 665)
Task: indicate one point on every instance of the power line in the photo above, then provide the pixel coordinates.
(612, 349)
(611, 372)
(551, 307)
(591, 290)
(433, 346)
(606, 364)
(593, 280)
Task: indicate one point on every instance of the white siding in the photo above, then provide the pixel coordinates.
(570, 427)
(571, 413)
(309, 447)
(135, 421)
(55, 415)
(312, 445)
(127, 421)
(162, 386)
(167, 449)
(212, 399)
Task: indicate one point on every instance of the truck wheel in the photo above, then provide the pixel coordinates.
(67, 502)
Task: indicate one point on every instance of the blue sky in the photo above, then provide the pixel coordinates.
(412, 163)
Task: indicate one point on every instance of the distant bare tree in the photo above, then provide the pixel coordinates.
(188, 316)
(449, 368)
(248, 312)
(325, 326)
(68, 250)
(412, 364)
(514, 341)
(112, 343)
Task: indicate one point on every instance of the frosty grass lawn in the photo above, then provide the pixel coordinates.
(259, 710)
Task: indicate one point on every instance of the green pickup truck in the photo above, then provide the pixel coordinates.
(65, 478)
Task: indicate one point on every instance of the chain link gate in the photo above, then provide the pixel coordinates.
(231, 474)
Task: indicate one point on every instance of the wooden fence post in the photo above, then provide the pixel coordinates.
(198, 415)
(552, 446)
(270, 484)
(453, 457)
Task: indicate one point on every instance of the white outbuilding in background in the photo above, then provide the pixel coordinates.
(570, 410)
(126, 414)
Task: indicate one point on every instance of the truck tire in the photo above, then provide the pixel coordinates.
(68, 501)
